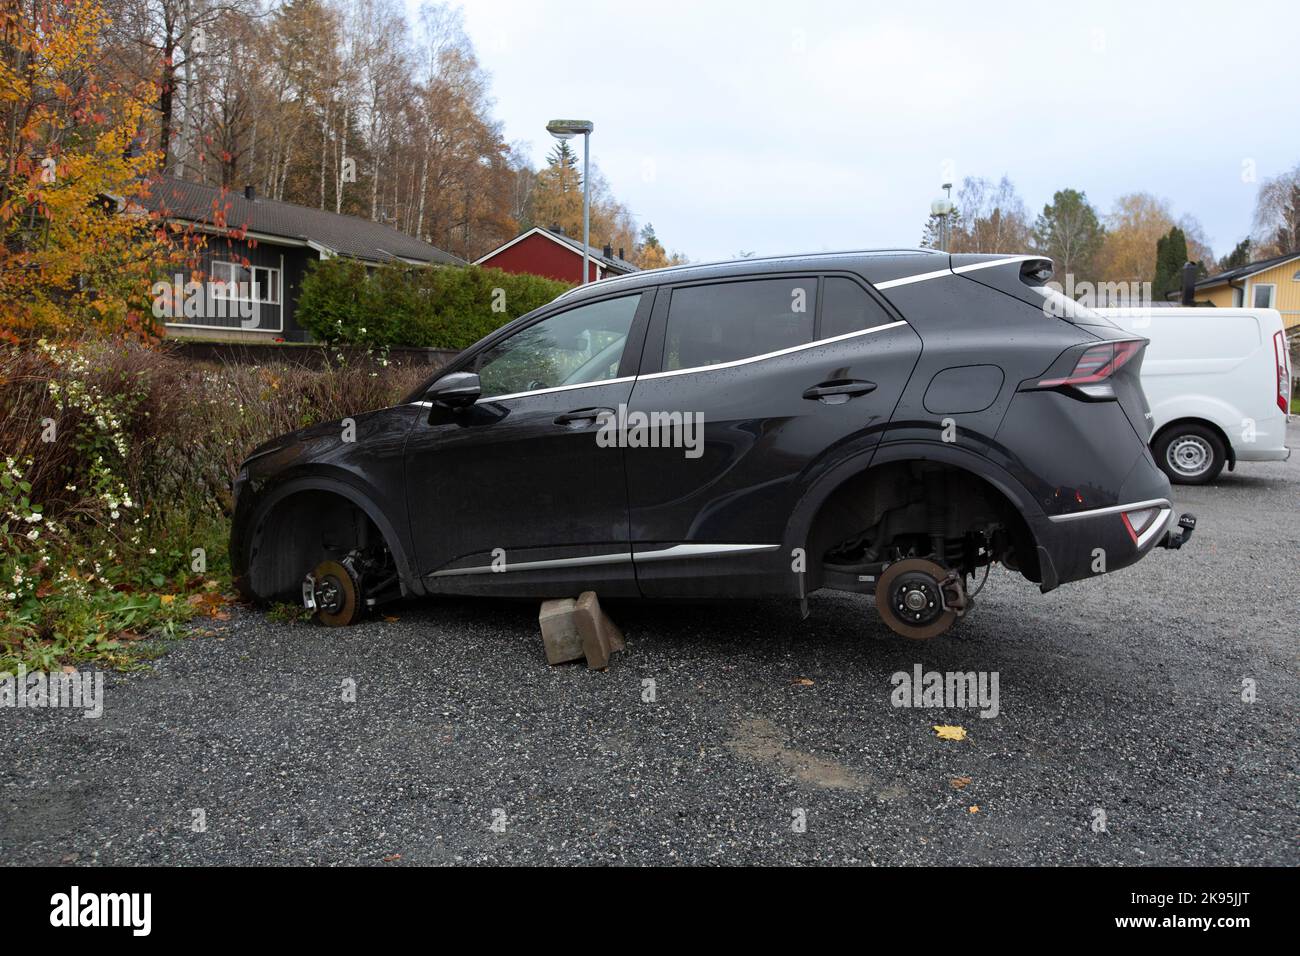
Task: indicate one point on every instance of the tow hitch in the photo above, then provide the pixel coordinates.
(1174, 539)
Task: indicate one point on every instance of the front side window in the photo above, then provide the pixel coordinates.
(1264, 296)
(846, 307)
(712, 324)
(575, 347)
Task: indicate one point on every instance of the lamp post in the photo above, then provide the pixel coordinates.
(567, 129)
(943, 208)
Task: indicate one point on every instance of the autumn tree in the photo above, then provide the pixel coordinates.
(1134, 225)
(75, 247)
(1277, 215)
(993, 218)
(557, 195)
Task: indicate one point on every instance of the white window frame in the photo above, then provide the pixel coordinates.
(1272, 294)
(271, 271)
(279, 281)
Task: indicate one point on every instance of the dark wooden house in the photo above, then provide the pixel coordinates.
(256, 255)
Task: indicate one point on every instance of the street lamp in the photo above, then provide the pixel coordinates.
(567, 129)
(943, 208)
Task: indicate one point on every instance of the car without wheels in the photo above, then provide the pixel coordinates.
(887, 422)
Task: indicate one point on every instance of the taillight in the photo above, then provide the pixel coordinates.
(1283, 378)
(1097, 363)
(1142, 524)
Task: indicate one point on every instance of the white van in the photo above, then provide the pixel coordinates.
(1218, 383)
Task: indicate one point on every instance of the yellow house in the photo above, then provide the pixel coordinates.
(1267, 284)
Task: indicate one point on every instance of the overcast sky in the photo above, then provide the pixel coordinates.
(805, 126)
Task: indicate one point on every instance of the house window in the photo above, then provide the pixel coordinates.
(1296, 277)
(1263, 295)
(247, 283)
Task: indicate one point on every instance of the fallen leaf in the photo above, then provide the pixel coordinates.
(803, 681)
(973, 809)
(950, 732)
(390, 618)
(69, 669)
(392, 857)
(961, 782)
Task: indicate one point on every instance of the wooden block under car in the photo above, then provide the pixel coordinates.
(600, 635)
(560, 634)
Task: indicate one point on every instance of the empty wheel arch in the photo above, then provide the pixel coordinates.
(302, 527)
(915, 508)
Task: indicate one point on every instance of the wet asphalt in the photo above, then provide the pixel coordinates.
(725, 733)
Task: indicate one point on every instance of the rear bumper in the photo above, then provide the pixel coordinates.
(1085, 544)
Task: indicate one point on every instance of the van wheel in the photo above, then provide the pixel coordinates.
(1190, 454)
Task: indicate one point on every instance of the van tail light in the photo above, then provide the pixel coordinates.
(1283, 373)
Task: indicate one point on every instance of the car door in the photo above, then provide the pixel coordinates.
(514, 494)
(790, 374)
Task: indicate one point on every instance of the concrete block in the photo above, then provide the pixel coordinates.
(600, 635)
(560, 632)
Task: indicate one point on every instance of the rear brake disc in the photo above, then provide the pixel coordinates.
(910, 598)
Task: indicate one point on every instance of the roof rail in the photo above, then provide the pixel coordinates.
(722, 262)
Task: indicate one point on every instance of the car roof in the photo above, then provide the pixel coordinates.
(874, 265)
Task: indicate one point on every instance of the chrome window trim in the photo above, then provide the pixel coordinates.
(684, 371)
(768, 355)
(618, 557)
(1114, 509)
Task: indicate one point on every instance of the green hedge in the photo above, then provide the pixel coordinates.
(434, 307)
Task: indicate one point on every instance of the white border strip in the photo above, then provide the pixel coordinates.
(619, 557)
(959, 270)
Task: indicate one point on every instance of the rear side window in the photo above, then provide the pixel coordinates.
(846, 307)
(711, 324)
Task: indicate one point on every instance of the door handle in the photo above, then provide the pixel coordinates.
(582, 415)
(839, 390)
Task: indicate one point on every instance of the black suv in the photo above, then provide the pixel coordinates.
(886, 422)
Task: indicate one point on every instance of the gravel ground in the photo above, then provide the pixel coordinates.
(1120, 696)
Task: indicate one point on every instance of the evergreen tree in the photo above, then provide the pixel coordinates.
(1069, 231)
(1171, 254)
(1238, 257)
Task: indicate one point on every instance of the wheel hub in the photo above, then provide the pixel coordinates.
(328, 596)
(1189, 455)
(910, 598)
(916, 599)
(333, 591)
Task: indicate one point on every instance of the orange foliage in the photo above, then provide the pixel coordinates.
(76, 250)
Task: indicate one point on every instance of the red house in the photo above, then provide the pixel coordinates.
(550, 253)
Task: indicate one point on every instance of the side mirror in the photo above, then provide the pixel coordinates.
(456, 390)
